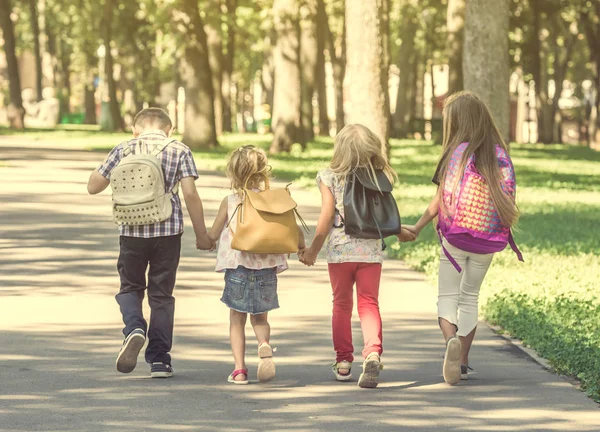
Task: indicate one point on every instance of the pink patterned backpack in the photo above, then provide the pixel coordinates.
(473, 223)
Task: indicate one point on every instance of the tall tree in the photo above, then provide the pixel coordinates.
(485, 61)
(367, 66)
(336, 45)
(590, 15)
(455, 20)
(287, 104)
(230, 9)
(308, 63)
(200, 129)
(407, 59)
(215, 51)
(115, 109)
(321, 75)
(16, 113)
(35, 30)
(539, 53)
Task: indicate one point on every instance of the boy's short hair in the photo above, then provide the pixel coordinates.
(153, 117)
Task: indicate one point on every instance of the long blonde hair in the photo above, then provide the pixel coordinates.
(248, 167)
(357, 147)
(467, 119)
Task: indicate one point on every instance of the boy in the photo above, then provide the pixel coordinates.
(157, 245)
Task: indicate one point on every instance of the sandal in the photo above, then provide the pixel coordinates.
(238, 372)
(266, 365)
(342, 365)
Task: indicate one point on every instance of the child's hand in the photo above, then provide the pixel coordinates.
(204, 242)
(407, 235)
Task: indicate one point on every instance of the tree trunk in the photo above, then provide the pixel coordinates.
(322, 35)
(562, 56)
(200, 129)
(367, 67)
(308, 64)
(486, 57)
(16, 113)
(406, 59)
(65, 63)
(455, 21)
(35, 30)
(115, 110)
(268, 73)
(215, 51)
(337, 52)
(228, 59)
(287, 106)
(540, 76)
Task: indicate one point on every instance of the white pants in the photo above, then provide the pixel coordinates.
(458, 293)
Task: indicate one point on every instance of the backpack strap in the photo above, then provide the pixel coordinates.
(513, 246)
(450, 257)
(163, 145)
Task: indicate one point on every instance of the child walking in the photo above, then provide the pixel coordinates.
(250, 278)
(153, 244)
(351, 260)
(475, 202)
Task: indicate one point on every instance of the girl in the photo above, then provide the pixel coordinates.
(250, 279)
(473, 151)
(351, 260)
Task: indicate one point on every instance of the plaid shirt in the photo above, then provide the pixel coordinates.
(177, 163)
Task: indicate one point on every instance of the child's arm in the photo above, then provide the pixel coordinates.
(220, 221)
(97, 183)
(429, 214)
(323, 225)
(196, 211)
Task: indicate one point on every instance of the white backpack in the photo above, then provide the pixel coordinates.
(138, 188)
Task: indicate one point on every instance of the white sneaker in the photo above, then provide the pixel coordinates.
(451, 368)
(371, 367)
(342, 365)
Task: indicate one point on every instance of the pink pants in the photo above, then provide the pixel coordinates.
(343, 277)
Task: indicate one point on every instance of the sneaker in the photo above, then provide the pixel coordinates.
(464, 372)
(127, 358)
(371, 367)
(342, 365)
(451, 369)
(266, 365)
(161, 370)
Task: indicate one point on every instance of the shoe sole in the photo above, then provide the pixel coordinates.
(370, 376)
(266, 366)
(127, 358)
(342, 378)
(161, 374)
(451, 368)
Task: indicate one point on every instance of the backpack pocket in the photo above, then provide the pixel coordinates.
(144, 213)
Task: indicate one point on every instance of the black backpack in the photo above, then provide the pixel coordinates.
(370, 212)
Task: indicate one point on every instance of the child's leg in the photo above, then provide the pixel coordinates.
(237, 338)
(164, 261)
(368, 277)
(132, 264)
(261, 327)
(342, 282)
(468, 301)
(449, 280)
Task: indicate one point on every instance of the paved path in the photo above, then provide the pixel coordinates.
(60, 332)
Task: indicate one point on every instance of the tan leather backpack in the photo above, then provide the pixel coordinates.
(266, 222)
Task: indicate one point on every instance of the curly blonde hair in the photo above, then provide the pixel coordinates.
(248, 167)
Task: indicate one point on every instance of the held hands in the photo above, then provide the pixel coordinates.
(205, 242)
(307, 256)
(408, 234)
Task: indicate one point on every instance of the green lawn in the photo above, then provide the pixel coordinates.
(551, 301)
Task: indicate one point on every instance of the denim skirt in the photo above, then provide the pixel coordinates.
(251, 291)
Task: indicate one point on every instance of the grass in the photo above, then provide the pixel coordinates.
(550, 301)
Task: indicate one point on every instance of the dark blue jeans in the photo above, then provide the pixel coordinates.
(162, 255)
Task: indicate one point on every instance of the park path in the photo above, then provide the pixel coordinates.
(60, 332)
